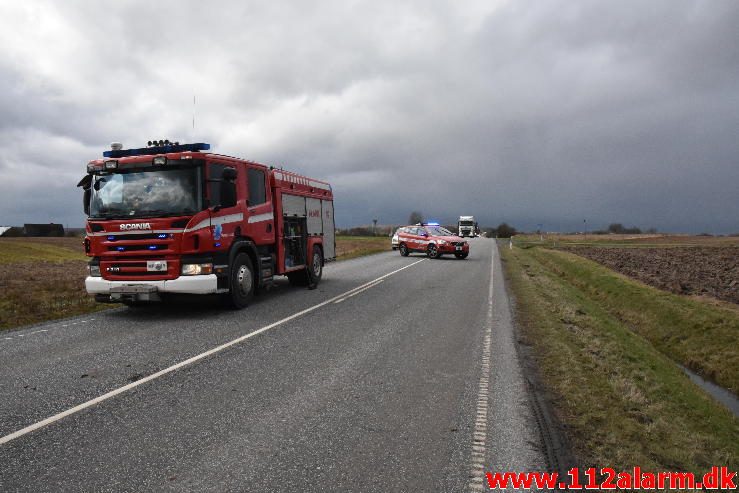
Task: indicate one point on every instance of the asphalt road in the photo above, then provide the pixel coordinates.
(411, 383)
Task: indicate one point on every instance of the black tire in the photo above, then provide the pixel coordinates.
(403, 250)
(461, 256)
(241, 282)
(433, 251)
(312, 275)
(315, 268)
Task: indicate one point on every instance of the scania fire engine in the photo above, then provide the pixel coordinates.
(171, 218)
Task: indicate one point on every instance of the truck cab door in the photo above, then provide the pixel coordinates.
(259, 206)
(224, 218)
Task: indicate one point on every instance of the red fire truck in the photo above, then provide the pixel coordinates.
(171, 218)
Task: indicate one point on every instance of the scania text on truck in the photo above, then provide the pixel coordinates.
(174, 219)
(467, 226)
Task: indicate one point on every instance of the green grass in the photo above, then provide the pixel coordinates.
(606, 348)
(348, 247)
(27, 250)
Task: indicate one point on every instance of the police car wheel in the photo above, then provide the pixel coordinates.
(433, 252)
(403, 250)
(241, 281)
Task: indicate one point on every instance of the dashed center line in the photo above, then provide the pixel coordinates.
(479, 436)
(56, 326)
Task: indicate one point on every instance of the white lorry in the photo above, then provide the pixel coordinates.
(467, 226)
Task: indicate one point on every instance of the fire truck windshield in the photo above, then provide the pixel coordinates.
(139, 193)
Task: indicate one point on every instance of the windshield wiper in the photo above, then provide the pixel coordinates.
(159, 213)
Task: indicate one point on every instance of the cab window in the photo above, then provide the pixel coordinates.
(257, 189)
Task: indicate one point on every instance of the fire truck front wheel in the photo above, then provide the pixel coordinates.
(242, 281)
(403, 250)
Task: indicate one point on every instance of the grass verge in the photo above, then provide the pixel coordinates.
(605, 347)
(348, 247)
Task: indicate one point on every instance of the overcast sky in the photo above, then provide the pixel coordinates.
(531, 112)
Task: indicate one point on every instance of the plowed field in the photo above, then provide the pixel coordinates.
(708, 271)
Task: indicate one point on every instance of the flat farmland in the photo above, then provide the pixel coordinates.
(704, 271)
(681, 264)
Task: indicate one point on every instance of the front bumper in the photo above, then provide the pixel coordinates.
(449, 248)
(144, 289)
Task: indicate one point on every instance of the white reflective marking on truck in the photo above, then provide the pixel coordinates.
(215, 221)
(121, 233)
(261, 217)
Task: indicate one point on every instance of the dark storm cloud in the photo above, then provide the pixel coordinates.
(528, 112)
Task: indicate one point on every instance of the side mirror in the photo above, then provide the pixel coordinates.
(228, 193)
(425, 234)
(86, 201)
(85, 185)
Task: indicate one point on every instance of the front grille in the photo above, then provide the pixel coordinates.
(142, 236)
(136, 248)
(132, 270)
(458, 243)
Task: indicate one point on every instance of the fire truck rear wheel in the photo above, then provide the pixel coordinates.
(403, 250)
(242, 281)
(316, 267)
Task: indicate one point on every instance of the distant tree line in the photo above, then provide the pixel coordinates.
(504, 230)
(620, 229)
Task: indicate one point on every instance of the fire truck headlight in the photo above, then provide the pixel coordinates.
(442, 242)
(111, 164)
(159, 160)
(196, 269)
(94, 270)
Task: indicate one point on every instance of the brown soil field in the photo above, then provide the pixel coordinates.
(36, 291)
(705, 270)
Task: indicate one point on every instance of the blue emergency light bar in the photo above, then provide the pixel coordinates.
(162, 149)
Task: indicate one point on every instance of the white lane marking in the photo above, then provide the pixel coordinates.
(181, 364)
(359, 291)
(477, 472)
(57, 326)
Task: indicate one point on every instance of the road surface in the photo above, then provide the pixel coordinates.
(396, 374)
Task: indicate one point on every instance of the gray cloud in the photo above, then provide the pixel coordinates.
(528, 112)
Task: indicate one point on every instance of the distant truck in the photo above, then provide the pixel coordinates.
(171, 218)
(467, 226)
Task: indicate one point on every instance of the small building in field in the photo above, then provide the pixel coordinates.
(44, 230)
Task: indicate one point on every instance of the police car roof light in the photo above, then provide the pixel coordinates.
(162, 148)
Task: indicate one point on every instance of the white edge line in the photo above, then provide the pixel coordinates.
(153, 376)
(480, 435)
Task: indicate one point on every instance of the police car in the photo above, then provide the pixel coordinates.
(431, 239)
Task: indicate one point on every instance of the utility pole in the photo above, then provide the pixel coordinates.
(374, 227)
